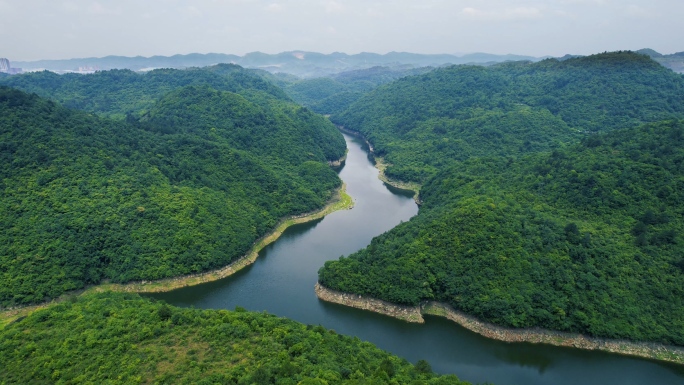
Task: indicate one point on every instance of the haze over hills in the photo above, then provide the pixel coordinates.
(302, 63)
(674, 61)
(307, 64)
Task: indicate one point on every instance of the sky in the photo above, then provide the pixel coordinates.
(55, 29)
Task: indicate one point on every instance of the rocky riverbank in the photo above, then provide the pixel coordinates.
(339, 162)
(536, 335)
(406, 313)
(340, 201)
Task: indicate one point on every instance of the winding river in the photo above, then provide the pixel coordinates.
(282, 280)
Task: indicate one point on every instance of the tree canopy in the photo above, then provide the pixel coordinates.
(188, 188)
(335, 93)
(122, 338)
(118, 93)
(579, 231)
(422, 123)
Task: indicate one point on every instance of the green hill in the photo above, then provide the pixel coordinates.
(84, 198)
(583, 238)
(253, 121)
(586, 239)
(118, 93)
(422, 123)
(334, 94)
(121, 338)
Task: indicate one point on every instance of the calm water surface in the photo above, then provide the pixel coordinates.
(282, 281)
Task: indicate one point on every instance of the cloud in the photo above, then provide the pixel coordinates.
(70, 6)
(519, 13)
(274, 7)
(596, 2)
(5, 7)
(638, 12)
(375, 13)
(333, 7)
(99, 9)
(193, 11)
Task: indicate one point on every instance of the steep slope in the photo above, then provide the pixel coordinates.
(586, 239)
(422, 123)
(119, 338)
(84, 198)
(253, 121)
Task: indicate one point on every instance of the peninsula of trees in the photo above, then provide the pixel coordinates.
(552, 195)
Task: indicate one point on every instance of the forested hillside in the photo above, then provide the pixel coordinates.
(121, 338)
(118, 93)
(584, 238)
(85, 198)
(422, 123)
(334, 94)
(253, 121)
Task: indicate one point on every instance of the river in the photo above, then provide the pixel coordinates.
(282, 281)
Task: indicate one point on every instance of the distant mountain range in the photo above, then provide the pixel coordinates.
(304, 64)
(674, 61)
(307, 64)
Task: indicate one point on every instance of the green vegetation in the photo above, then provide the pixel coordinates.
(334, 94)
(252, 121)
(188, 188)
(585, 238)
(421, 124)
(122, 338)
(121, 93)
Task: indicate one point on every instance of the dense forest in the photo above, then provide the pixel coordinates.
(121, 93)
(335, 93)
(582, 237)
(420, 124)
(122, 338)
(188, 187)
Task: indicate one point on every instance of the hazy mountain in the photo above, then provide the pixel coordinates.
(301, 63)
(674, 61)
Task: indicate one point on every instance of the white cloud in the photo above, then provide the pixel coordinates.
(98, 9)
(519, 13)
(70, 6)
(193, 11)
(636, 11)
(596, 2)
(167, 27)
(274, 7)
(5, 7)
(333, 7)
(375, 13)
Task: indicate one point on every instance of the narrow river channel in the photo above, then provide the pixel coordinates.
(282, 281)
